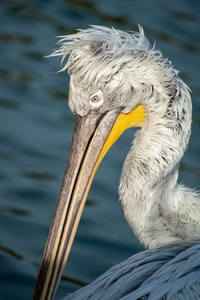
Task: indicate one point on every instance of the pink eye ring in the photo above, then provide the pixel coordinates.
(96, 100)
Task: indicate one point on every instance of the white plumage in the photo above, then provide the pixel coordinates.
(125, 66)
(120, 70)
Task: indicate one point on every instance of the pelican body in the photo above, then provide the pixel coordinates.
(118, 81)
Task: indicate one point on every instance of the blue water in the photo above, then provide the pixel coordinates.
(37, 126)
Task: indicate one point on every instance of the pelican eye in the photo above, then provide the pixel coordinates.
(96, 100)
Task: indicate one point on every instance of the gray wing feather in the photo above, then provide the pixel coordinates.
(171, 272)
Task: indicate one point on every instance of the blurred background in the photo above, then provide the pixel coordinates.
(36, 128)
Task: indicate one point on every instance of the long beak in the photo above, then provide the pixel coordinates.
(93, 136)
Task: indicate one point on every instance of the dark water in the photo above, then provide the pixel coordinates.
(37, 125)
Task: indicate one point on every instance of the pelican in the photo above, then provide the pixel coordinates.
(118, 81)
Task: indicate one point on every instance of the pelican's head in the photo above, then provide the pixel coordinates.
(116, 79)
(106, 63)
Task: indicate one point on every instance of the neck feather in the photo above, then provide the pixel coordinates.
(158, 209)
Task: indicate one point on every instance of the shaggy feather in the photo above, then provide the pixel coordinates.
(126, 71)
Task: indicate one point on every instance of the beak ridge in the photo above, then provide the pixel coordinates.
(89, 136)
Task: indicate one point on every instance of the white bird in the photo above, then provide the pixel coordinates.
(119, 81)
